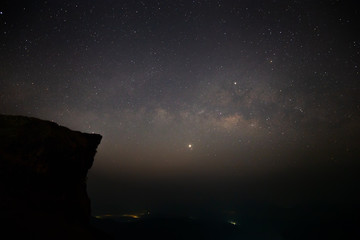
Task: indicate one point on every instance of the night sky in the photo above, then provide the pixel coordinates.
(201, 104)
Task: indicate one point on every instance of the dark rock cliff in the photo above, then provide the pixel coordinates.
(43, 171)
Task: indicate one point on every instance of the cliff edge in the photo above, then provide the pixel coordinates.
(43, 171)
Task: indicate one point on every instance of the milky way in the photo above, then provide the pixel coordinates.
(195, 88)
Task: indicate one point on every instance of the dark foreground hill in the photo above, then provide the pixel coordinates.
(43, 169)
(251, 222)
(166, 227)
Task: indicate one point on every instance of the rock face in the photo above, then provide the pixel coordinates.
(43, 171)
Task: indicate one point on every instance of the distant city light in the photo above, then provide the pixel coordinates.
(233, 223)
(131, 216)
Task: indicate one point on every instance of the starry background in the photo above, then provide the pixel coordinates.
(201, 104)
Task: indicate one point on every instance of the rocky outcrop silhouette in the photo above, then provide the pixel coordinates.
(43, 173)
